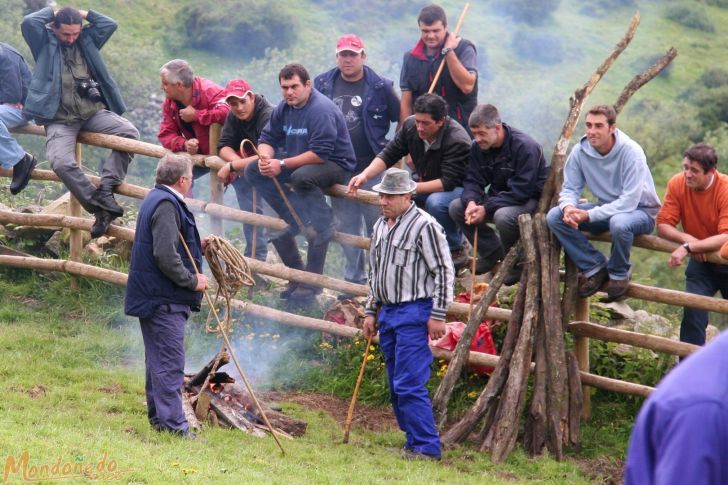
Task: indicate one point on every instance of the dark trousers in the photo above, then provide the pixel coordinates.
(306, 197)
(244, 193)
(701, 279)
(164, 358)
(407, 355)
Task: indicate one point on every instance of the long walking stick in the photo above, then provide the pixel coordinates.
(472, 270)
(442, 63)
(230, 348)
(293, 212)
(352, 405)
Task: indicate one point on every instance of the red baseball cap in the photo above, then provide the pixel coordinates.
(350, 42)
(237, 88)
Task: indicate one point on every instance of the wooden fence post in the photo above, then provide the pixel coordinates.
(217, 190)
(581, 348)
(75, 240)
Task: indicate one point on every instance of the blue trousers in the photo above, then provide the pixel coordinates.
(10, 151)
(164, 358)
(437, 204)
(407, 355)
(244, 194)
(701, 279)
(623, 228)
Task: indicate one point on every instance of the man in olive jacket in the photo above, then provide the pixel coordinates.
(72, 91)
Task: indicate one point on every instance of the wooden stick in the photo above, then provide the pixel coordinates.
(352, 405)
(224, 334)
(293, 212)
(442, 63)
(472, 271)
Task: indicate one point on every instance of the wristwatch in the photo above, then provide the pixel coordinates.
(687, 247)
(445, 50)
(283, 163)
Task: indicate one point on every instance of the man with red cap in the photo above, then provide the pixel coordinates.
(249, 113)
(193, 104)
(370, 106)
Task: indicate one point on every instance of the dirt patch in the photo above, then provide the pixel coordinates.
(112, 389)
(373, 418)
(34, 392)
(608, 470)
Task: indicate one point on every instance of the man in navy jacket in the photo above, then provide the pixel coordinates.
(369, 105)
(512, 166)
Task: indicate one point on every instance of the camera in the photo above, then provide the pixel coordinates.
(88, 88)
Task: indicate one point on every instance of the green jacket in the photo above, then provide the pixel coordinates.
(44, 93)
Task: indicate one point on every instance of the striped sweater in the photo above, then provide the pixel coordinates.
(410, 261)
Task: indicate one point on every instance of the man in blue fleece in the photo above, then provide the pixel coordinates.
(614, 168)
(319, 154)
(681, 433)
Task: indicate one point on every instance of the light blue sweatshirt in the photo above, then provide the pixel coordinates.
(620, 180)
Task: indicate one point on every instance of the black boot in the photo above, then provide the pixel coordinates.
(315, 259)
(102, 223)
(104, 198)
(287, 250)
(21, 173)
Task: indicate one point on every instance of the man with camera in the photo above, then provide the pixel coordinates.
(72, 91)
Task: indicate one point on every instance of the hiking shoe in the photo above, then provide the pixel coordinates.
(21, 173)
(513, 276)
(102, 223)
(104, 199)
(461, 256)
(592, 284)
(304, 292)
(416, 455)
(290, 287)
(616, 289)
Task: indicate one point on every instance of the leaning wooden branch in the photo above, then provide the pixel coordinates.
(577, 102)
(641, 79)
(444, 390)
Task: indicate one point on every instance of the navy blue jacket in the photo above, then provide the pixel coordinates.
(380, 105)
(318, 126)
(14, 75)
(44, 95)
(516, 172)
(147, 287)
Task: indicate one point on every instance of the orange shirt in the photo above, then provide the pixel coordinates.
(702, 214)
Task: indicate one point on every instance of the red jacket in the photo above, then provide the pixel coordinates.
(208, 100)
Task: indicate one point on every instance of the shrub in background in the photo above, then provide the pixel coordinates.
(538, 47)
(526, 11)
(692, 17)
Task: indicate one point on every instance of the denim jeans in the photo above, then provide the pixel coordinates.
(10, 150)
(351, 214)
(623, 228)
(505, 220)
(244, 194)
(437, 204)
(305, 194)
(701, 279)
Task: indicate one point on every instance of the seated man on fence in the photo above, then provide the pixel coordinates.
(511, 165)
(192, 104)
(319, 155)
(249, 113)
(15, 77)
(369, 105)
(439, 148)
(697, 199)
(614, 168)
(72, 91)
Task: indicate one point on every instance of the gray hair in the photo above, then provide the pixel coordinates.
(484, 115)
(171, 167)
(178, 71)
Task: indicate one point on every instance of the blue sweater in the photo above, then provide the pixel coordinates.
(681, 433)
(318, 126)
(620, 180)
